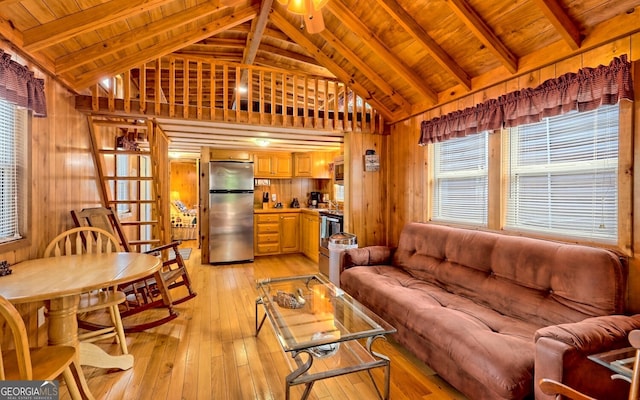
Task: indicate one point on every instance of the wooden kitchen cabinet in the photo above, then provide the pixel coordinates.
(272, 165)
(267, 234)
(232, 155)
(303, 165)
(276, 233)
(289, 233)
(320, 168)
(312, 165)
(310, 235)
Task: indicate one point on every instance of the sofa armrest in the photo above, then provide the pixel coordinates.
(370, 255)
(561, 354)
(593, 335)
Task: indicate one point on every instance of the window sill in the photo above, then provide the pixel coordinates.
(14, 245)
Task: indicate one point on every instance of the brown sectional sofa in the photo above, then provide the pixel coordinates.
(493, 314)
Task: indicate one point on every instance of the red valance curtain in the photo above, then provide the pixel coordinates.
(19, 86)
(585, 90)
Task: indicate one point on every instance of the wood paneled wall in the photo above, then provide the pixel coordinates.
(408, 192)
(62, 178)
(366, 212)
(287, 189)
(184, 182)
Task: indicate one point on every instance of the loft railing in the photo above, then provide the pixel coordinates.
(201, 89)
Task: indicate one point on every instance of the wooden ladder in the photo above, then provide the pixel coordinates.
(127, 155)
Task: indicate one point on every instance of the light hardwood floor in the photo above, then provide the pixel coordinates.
(211, 352)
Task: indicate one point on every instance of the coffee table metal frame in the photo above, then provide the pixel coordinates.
(345, 340)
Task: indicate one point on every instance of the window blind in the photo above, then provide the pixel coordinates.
(122, 185)
(563, 175)
(460, 180)
(12, 128)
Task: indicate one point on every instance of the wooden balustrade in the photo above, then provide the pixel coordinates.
(199, 89)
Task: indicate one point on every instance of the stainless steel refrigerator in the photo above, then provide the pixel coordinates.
(230, 212)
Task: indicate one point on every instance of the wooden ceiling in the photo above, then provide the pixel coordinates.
(403, 56)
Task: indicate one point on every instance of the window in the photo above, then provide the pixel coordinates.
(460, 181)
(122, 185)
(13, 170)
(563, 176)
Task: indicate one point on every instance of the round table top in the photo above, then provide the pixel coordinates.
(48, 278)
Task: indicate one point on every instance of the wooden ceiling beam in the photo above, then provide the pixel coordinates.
(217, 43)
(120, 42)
(120, 65)
(561, 21)
(353, 23)
(484, 33)
(310, 63)
(254, 37)
(257, 31)
(297, 36)
(61, 29)
(402, 17)
(213, 48)
(365, 69)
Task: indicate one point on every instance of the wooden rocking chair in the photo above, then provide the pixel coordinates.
(145, 293)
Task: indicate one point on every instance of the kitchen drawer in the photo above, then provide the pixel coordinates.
(267, 228)
(261, 218)
(268, 248)
(268, 238)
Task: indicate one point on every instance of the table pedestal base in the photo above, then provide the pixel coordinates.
(93, 356)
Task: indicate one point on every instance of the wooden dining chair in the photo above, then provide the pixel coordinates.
(88, 240)
(153, 291)
(43, 363)
(558, 389)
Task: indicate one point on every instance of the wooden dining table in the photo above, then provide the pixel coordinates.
(61, 280)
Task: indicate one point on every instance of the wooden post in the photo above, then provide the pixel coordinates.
(126, 89)
(284, 99)
(199, 90)
(225, 92)
(274, 97)
(158, 86)
(212, 95)
(185, 88)
(143, 88)
(172, 87)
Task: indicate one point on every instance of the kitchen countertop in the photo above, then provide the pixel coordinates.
(286, 210)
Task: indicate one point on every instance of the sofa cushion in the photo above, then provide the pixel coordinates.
(547, 278)
(494, 349)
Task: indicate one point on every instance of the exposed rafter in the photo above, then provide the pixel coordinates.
(365, 69)
(347, 17)
(418, 33)
(484, 33)
(294, 33)
(565, 26)
(56, 31)
(307, 64)
(130, 38)
(253, 41)
(166, 47)
(255, 35)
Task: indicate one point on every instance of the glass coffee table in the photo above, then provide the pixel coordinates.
(619, 361)
(312, 316)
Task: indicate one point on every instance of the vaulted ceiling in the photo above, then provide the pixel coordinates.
(403, 56)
